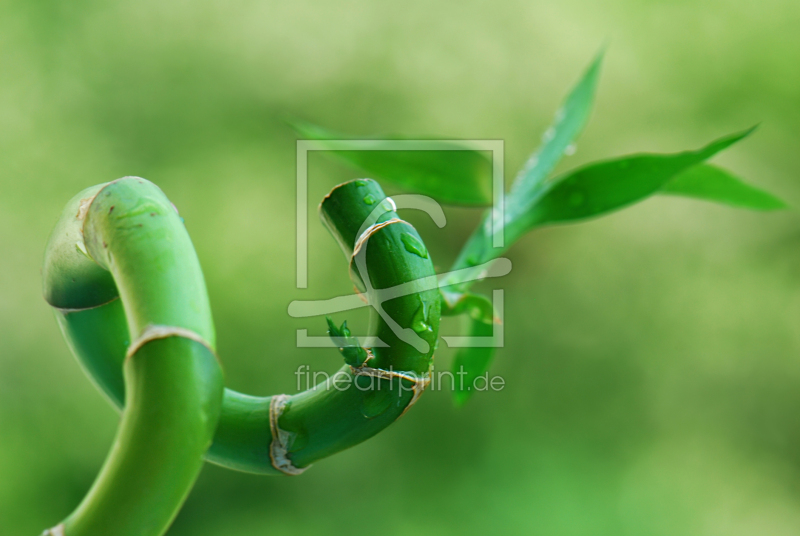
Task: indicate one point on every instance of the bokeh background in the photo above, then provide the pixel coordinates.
(651, 356)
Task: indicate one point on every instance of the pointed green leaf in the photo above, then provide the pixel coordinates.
(603, 187)
(712, 183)
(558, 139)
(472, 362)
(587, 192)
(531, 180)
(458, 175)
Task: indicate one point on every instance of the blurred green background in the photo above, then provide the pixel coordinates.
(651, 356)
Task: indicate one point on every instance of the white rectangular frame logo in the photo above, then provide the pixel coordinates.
(496, 147)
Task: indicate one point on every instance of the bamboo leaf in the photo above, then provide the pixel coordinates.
(558, 139)
(531, 180)
(603, 187)
(712, 183)
(458, 175)
(472, 362)
(587, 192)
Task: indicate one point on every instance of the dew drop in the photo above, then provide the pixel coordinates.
(549, 134)
(360, 182)
(369, 199)
(570, 150)
(420, 321)
(377, 401)
(414, 245)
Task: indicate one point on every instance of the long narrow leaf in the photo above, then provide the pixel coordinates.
(471, 363)
(558, 139)
(531, 180)
(587, 192)
(455, 175)
(712, 183)
(603, 187)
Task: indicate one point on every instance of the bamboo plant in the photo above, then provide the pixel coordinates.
(129, 295)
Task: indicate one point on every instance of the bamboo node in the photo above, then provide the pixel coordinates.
(420, 383)
(55, 531)
(68, 310)
(279, 447)
(154, 332)
(83, 207)
(371, 230)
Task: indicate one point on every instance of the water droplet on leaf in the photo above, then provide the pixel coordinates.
(570, 150)
(369, 199)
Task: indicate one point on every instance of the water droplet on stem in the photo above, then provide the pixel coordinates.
(414, 245)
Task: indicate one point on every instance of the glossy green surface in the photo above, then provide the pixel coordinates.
(650, 357)
(72, 280)
(173, 386)
(325, 420)
(712, 183)
(173, 403)
(99, 338)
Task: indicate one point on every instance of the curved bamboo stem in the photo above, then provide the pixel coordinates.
(324, 420)
(125, 236)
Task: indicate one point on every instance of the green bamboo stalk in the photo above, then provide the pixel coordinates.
(126, 237)
(285, 434)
